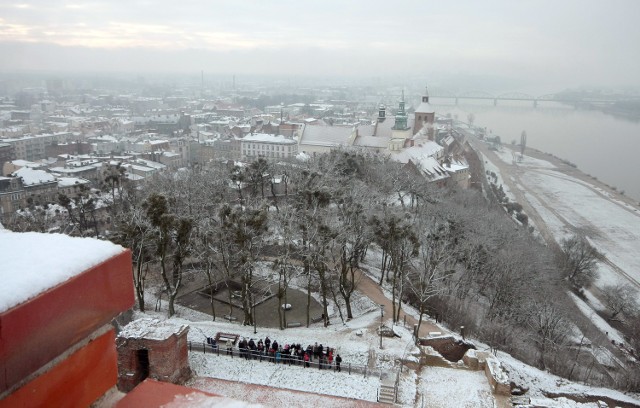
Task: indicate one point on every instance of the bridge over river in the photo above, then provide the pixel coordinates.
(517, 96)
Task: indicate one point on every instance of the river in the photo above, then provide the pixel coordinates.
(600, 144)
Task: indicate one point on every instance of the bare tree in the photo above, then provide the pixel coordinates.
(551, 329)
(620, 299)
(429, 271)
(579, 261)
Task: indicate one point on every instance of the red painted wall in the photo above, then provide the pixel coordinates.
(37, 331)
(77, 381)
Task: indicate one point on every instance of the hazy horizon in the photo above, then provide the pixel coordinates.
(527, 45)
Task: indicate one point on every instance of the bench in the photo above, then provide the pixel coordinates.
(223, 337)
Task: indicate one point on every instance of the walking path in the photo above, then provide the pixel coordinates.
(373, 291)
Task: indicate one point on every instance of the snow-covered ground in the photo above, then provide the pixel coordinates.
(541, 383)
(610, 332)
(570, 205)
(613, 229)
(358, 344)
(438, 387)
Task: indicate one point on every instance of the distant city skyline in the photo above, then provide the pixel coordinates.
(531, 43)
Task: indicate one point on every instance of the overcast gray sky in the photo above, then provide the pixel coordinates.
(569, 42)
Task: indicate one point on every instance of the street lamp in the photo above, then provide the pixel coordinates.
(254, 320)
(380, 330)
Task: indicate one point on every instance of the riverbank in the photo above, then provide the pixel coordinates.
(561, 201)
(573, 171)
(599, 144)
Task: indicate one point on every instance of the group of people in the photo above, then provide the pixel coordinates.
(287, 353)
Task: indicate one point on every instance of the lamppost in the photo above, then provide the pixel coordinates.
(254, 317)
(380, 330)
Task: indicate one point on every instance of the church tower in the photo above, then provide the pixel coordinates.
(424, 116)
(400, 131)
(401, 116)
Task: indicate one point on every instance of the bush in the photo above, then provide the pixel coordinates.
(523, 218)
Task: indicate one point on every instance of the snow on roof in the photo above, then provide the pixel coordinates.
(425, 107)
(71, 181)
(140, 168)
(25, 163)
(152, 329)
(79, 169)
(32, 177)
(371, 141)
(151, 163)
(59, 258)
(326, 135)
(132, 176)
(264, 137)
(104, 138)
(418, 152)
(456, 166)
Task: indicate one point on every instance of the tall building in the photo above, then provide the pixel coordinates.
(424, 116)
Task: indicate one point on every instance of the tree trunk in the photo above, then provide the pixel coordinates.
(323, 294)
(383, 267)
(213, 308)
(139, 280)
(280, 302)
(420, 319)
(307, 270)
(246, 301)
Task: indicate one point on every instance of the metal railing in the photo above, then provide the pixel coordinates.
(346, 367)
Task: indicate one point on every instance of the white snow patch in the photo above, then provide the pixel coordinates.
(59, 258)
(602, 324)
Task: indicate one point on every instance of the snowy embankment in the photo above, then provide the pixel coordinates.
(542, 384)
(568, 204)
(599, 322)
(498, 180)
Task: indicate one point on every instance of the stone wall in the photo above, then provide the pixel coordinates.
(167, 359)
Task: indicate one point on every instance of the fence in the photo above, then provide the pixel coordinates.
(346, 367)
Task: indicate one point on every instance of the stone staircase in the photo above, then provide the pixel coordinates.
(387, 393)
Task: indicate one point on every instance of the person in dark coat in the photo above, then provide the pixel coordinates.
(338, 361)
(267, 343)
